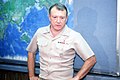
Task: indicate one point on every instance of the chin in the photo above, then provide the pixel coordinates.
(58, 29)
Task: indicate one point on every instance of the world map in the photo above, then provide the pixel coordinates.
(19, 20)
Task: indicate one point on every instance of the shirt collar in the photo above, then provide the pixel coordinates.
(64, 32)
(47, 30)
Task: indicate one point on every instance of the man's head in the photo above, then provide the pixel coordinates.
(58, 16)
(60, 7)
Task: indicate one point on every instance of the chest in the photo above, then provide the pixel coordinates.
(63, 44)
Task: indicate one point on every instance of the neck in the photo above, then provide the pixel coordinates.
(54, 32)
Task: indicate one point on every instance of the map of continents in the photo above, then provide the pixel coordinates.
(19, 19)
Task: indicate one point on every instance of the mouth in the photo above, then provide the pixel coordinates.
(58, 25)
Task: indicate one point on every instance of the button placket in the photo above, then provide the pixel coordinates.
(49, 56)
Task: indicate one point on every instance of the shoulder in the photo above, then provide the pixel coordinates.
(74, 35)
(73, 32)
(42, 29)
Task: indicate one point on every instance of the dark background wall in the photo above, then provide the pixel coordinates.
(96, 20)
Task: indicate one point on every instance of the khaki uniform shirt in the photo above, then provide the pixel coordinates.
(57, 53)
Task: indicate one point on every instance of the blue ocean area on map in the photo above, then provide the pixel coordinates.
(17, 26)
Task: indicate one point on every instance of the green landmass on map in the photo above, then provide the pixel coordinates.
(13, 11)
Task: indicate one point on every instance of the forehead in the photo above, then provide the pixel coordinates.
(54, 10)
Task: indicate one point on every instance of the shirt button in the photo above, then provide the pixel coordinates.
(61, 54)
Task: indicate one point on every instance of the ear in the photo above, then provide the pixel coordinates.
(66, 19)
(49, 16)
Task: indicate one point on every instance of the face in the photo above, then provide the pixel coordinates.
(58, 19)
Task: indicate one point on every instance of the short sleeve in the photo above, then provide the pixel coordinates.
(82, 48)
(32, 47)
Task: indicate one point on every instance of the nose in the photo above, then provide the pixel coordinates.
(58, 20)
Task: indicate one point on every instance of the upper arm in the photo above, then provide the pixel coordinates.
(32, 47)
(82, 48)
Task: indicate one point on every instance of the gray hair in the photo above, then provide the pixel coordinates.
(59, 6)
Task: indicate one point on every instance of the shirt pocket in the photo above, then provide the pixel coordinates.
(42, 44)
(61, 48)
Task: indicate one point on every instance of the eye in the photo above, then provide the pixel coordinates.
(54, 17)
(62, 18)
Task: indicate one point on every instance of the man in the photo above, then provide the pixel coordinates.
(57, 45)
